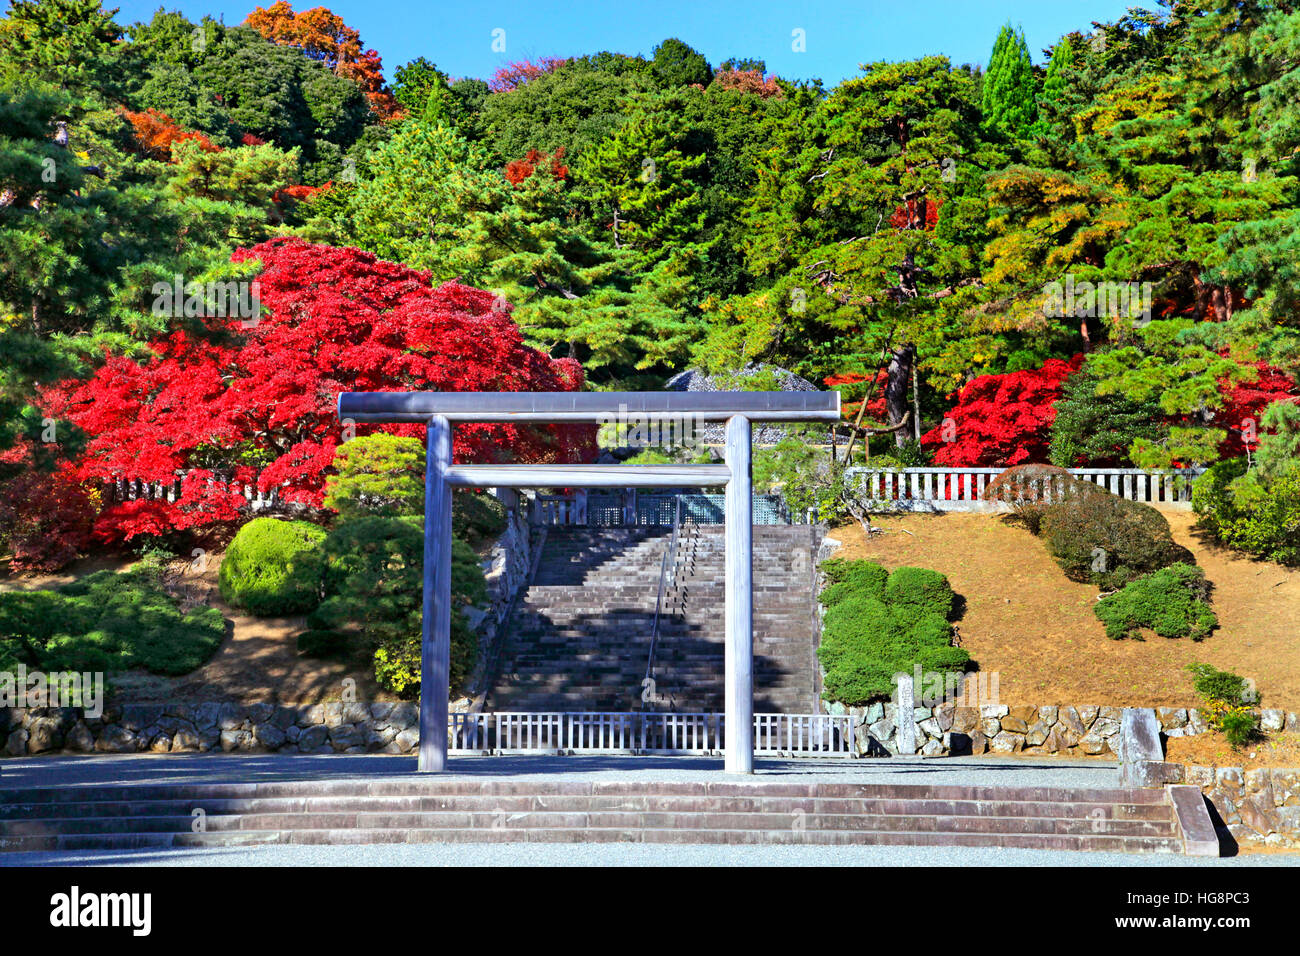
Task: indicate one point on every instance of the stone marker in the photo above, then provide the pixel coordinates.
(1142, 756)
(906, 718)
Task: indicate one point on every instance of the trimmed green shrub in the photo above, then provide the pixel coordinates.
(108, 621)
(1212, 684)
(867, 640)
(273, 567)
(1249, 513)
(379, 474)
(912, 593)
(1173, 602)
(383, 475)
(373, 594)
(1109, 541)
(861, 578)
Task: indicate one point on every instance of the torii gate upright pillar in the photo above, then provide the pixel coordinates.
(738, 734)
(435, 642)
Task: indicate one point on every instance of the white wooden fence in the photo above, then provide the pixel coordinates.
(962, 489)
(133, 489)
(606, 732)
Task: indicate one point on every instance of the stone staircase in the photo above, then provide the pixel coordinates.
(415, 809)
(580, 636)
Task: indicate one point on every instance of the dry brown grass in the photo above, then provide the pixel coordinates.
(1024, 619)
(1213, 750)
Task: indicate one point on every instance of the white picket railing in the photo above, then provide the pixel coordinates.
(133, 489)
(962, 489)
(607, 732)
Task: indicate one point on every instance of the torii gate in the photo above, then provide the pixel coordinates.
(440, 411)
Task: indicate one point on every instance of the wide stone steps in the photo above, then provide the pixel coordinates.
(580, 637)
(413, 810)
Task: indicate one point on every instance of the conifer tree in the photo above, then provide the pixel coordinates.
(1008, 98)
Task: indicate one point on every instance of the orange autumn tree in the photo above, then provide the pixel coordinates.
(520, 169)
(748, 81)
(155, 133)
(322, 35)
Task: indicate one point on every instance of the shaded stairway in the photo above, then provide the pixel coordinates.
(412, 809)
(580, 636)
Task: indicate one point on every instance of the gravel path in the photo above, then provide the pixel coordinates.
(209, 768)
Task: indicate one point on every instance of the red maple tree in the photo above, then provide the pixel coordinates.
(1244, 404)
(1001, 420)
(47, 516)
(516, 74)
(520, 169)
(748, 81)
(333, 320)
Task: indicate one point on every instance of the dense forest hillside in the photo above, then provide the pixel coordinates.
(207, 231)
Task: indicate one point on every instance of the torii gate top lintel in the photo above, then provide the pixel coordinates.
(441, 410)
(553, 407)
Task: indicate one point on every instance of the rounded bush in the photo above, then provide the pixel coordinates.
(1110, 541)
(1249, 513)
(273, 567)
(854, 579)
(867, 640)
(1172, 602)
(914, 592)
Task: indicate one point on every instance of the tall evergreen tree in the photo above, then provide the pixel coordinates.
(1009, 85)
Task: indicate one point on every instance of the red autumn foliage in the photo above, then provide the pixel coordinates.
(520, 169)
(290, 195)
(248, 139)
(748, 81)
(46, 516)
(1002, 420)
(334, 320)
(907, 216)
(1244, 403)
(155, 132)
(514, 75)
(853, 387)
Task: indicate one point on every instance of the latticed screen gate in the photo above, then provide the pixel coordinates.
(604, 511)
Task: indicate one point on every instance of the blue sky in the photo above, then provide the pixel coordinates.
(839, 34)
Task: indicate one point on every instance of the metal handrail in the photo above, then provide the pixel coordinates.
(670, 557)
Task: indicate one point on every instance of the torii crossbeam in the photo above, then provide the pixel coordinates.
(440, 411)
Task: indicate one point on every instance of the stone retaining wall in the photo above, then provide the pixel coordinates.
(1255, 806)
(391, 728)
(1081, 729)
(506, 570)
